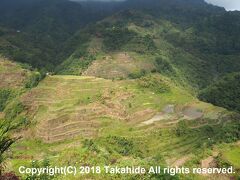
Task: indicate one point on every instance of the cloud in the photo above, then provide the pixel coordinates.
(227, 4)
(98, 0)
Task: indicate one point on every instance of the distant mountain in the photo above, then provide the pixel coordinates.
(43, 26)
(99, 83)
(205, 48)
(197, 43)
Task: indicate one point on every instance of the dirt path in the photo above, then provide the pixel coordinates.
(166, 114)
(157, 117)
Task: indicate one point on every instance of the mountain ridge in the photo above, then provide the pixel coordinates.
(120, 84)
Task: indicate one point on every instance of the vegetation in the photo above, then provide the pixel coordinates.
(5, 96)
(43, 164)
(122, 86)
(137, 74)
(5, 141)
(164, 67)
(116, 37)
(34, 79)
(123, 146)
(224, 92)
(182, 128)
(155, 83)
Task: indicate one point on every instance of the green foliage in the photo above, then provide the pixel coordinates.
(155, 83)
(222, 163)
(209, 135)
(116, 37)
(229, 132)
(223, 133)
(123, 146)
(34, 79)
(42, 39)
(224, 92)
(163, 66)
(5, 141)
(40, 164)
(141, 44)
(164, 176)
(182, 128)
(5, 96)
(90, 145)
(137, 74)
(77, 63)
(13, 110)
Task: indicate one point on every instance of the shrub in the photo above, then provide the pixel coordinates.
(142, 45)
(35, 78)
(5, 141)
(37, 164)
(13, 110)
(163, 66)
(181, 128)
(90, 145)
(116, 37)
(155, 83)
(5, 95)
(137, 74)
(123, 146)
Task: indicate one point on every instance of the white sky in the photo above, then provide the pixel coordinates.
(227, 4)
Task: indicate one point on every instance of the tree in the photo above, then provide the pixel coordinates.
(5, 140)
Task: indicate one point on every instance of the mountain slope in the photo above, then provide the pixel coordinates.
(200, 51)
(125, 93)
(145, 122)
(142, 38)
(224, 93)
(38, 29)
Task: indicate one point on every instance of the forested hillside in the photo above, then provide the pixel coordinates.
(196, 41)
(34, 32)
(119, 83)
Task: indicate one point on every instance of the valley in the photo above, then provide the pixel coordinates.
(132, 83)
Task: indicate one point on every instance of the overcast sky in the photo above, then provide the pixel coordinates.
(228, 4)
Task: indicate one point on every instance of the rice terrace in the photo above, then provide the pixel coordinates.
(134, 89)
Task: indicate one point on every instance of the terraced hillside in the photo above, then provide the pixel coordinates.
(121, 91)
(13, 79)
(66, 106)
(12, 75)
(81, 116)
(117, 65)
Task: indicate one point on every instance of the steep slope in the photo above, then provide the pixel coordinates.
(12, 75)
(145, 122)
(14, 78)
(125, 92)
(67, 106)
(196, 28)
(224, 93)
(37, 30)
(141, 39)
(199, 51)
